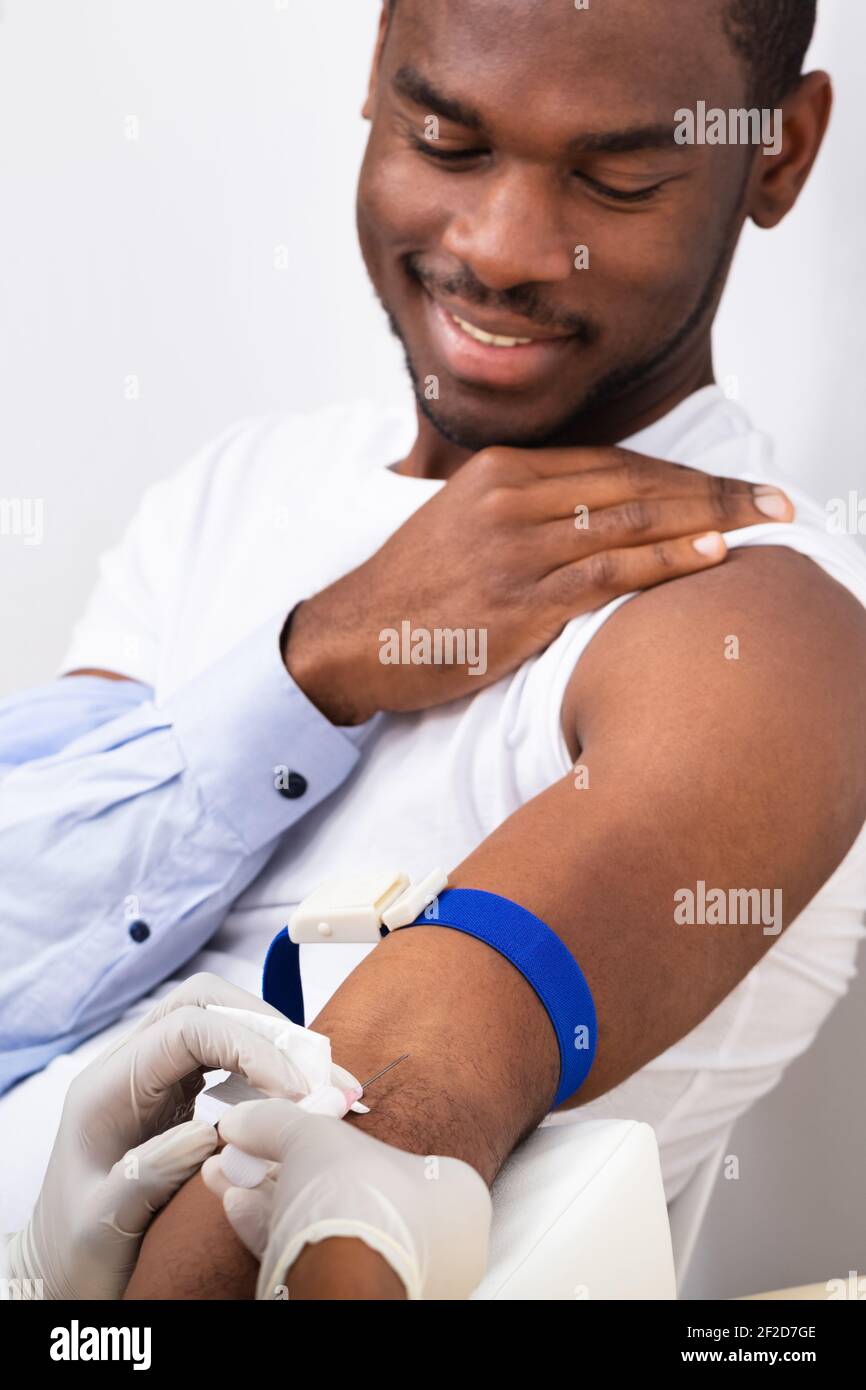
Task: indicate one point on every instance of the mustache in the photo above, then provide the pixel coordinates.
(521, 299)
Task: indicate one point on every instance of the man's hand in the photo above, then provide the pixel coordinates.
(579, 527)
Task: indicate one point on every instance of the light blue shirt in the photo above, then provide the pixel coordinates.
(127, 829)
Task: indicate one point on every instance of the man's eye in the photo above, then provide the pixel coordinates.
(456, 157)
(429, 148)
(619, 195)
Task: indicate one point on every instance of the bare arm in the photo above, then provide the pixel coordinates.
(190, 1252)
(739, 773)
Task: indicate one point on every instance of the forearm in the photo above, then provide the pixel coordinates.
(468, 1089)
(482, 1071)
(191, 1253)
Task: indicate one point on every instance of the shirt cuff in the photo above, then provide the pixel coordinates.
(259, 750)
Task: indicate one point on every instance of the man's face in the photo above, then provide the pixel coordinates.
(506, 134)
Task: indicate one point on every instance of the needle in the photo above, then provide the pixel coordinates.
(384, 1069)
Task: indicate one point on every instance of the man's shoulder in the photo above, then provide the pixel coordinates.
(773, 584)
(769, 629)
(746, 681)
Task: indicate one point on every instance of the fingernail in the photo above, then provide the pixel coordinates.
(712, 545)
(772, 503)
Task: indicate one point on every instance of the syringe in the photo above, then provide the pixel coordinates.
(246, 1170)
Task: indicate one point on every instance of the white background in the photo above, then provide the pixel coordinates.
(154, 257)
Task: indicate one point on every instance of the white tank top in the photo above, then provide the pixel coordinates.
(280, 507)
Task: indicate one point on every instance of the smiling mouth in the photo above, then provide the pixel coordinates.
(490, 339)
(481, 357)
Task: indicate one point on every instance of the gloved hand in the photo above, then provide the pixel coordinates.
(126, 1141)
(428, 1217)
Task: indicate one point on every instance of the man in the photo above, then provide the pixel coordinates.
(552, 259)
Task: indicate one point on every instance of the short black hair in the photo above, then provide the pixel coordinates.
(772, 38)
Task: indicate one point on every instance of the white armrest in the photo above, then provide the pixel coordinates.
(579, 1212)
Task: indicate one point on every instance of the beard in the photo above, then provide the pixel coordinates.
(599, 401)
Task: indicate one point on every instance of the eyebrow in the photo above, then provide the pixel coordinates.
(411, 83)
(642, 137)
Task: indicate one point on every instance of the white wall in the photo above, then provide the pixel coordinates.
(155, 257)
(793, 324)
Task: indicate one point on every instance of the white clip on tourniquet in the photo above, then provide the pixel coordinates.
(363, 908)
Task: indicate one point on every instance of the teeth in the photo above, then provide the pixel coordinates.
(490, 339)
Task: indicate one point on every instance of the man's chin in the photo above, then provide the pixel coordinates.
(476, 431)
(493, 417)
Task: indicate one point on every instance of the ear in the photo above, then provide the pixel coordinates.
(777, 179)
(367, 108)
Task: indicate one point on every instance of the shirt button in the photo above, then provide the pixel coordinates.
(139, 931)
(295, 786)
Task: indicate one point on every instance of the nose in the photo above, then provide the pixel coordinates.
(514, 232)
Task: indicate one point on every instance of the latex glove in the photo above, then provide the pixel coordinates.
(308, 1055)
(126, 1141)
(428, 1217)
